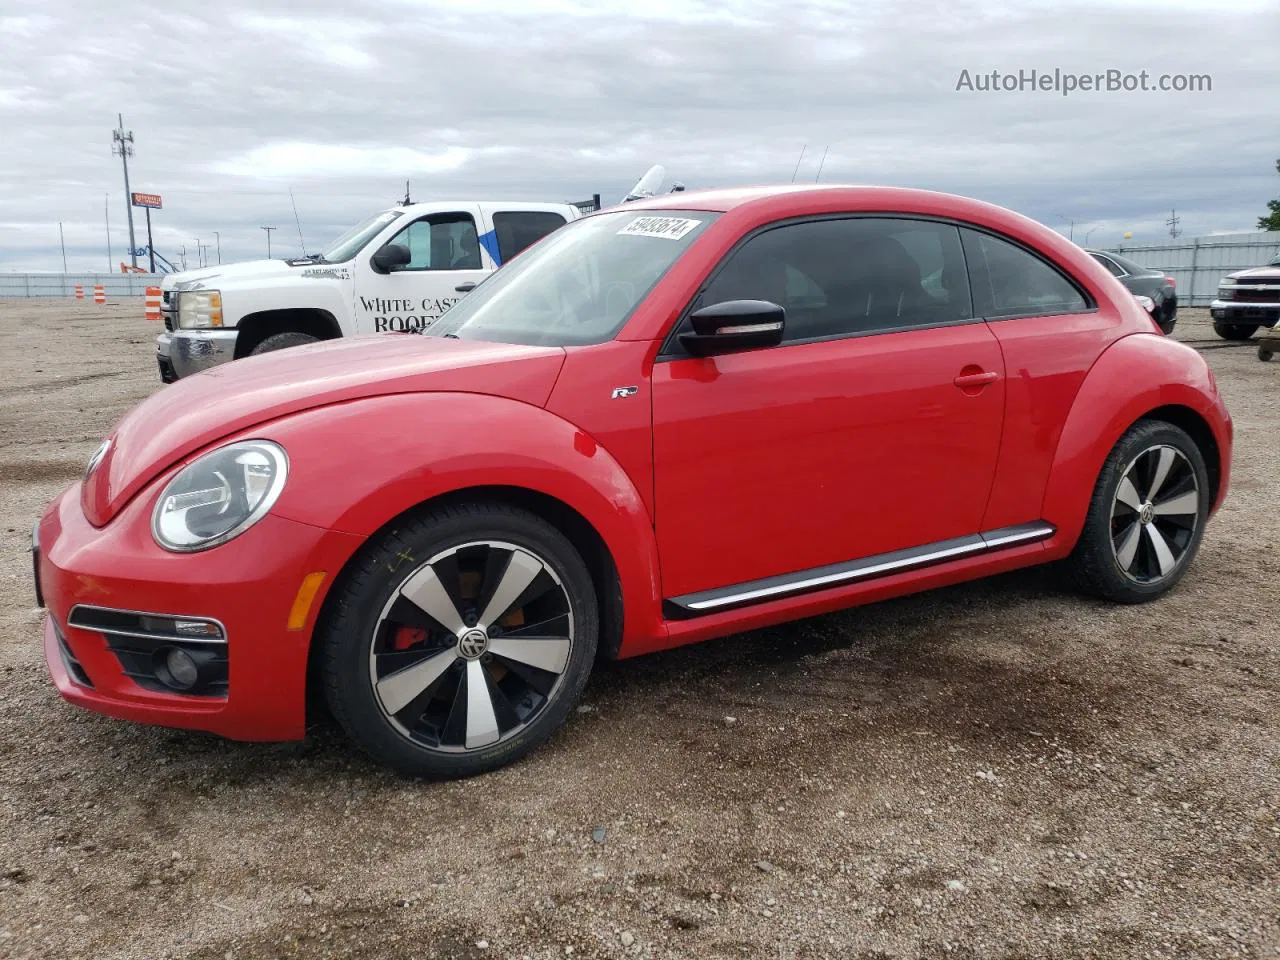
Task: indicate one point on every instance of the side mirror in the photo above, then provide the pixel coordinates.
(391, 257)
(734, 325)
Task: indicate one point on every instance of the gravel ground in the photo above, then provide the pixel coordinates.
(1001, 769)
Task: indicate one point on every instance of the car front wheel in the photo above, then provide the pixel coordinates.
(1234, 331)
(1146, 517)
(281, 341)
(460, 640)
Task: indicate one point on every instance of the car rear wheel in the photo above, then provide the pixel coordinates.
(1146, 517)
(281, 341)
(460, 640)
(1234, 331)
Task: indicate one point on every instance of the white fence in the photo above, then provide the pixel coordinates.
(1198, 263)
(115, 285)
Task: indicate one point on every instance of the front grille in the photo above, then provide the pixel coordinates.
(1256, 296)
(69, 661)
(141, 641)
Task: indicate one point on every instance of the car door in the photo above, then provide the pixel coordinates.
(445, 252)
(874, 427)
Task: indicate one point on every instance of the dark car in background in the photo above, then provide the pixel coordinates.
(1247, 300)
(1158, 287)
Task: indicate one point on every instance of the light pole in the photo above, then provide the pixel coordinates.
(122, 144)
(268, 229)
(217, 238)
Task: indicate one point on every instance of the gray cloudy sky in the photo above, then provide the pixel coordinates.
(233, 102)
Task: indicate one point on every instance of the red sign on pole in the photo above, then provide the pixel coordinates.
(147, 200)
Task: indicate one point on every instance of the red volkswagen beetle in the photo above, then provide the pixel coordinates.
(681, 419)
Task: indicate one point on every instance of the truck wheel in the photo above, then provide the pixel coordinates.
(280, 341)
(1234, 331)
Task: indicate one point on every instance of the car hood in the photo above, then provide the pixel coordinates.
(210, 277)
(1258, 274)
(187, 416)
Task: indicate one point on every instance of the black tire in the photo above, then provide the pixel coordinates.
(1168, 317)
(281, 341)
(1234, 331)
(366, 614)
(1096, 563)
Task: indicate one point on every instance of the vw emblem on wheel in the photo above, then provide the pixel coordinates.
(473, 643)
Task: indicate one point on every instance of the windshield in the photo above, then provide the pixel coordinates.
(577, 286)
(353, 241)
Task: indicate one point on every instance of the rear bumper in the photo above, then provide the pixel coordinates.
(248, 585)
(181, 353)
(1233, 311)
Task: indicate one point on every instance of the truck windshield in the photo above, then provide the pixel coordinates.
(353, 241)
(577, 286)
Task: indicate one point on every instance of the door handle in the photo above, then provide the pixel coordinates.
(465, 287)
(968, 381)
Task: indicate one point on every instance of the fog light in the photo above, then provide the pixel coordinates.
(180, 669)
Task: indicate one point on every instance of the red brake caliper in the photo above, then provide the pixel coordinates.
(406, 637)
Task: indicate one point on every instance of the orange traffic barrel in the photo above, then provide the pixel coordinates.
(79, 291)
(153, 303)
(99, 294)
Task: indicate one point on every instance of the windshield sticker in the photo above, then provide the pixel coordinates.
(669, 228)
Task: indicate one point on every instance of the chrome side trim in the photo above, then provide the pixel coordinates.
(709, 601)
(142, 635)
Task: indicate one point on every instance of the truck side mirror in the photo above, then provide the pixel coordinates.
(391, 257)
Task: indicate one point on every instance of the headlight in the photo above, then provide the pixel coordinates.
(199, 309)
(219, 496)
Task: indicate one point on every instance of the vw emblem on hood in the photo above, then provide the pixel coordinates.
(97, 457)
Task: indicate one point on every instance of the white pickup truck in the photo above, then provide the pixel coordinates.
(398, 270)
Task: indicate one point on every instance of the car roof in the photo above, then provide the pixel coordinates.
(724, 199)
(430, 206)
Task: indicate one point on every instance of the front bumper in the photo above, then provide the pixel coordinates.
(180, 353)
(247, 585)
(1236, 311)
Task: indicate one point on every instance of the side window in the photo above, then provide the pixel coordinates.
(441, 241)
(1008, 281)
(518, 229)
(851, 276)
(1115, 268)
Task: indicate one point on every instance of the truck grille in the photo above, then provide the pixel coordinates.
(1244, 295)
(167, 306)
